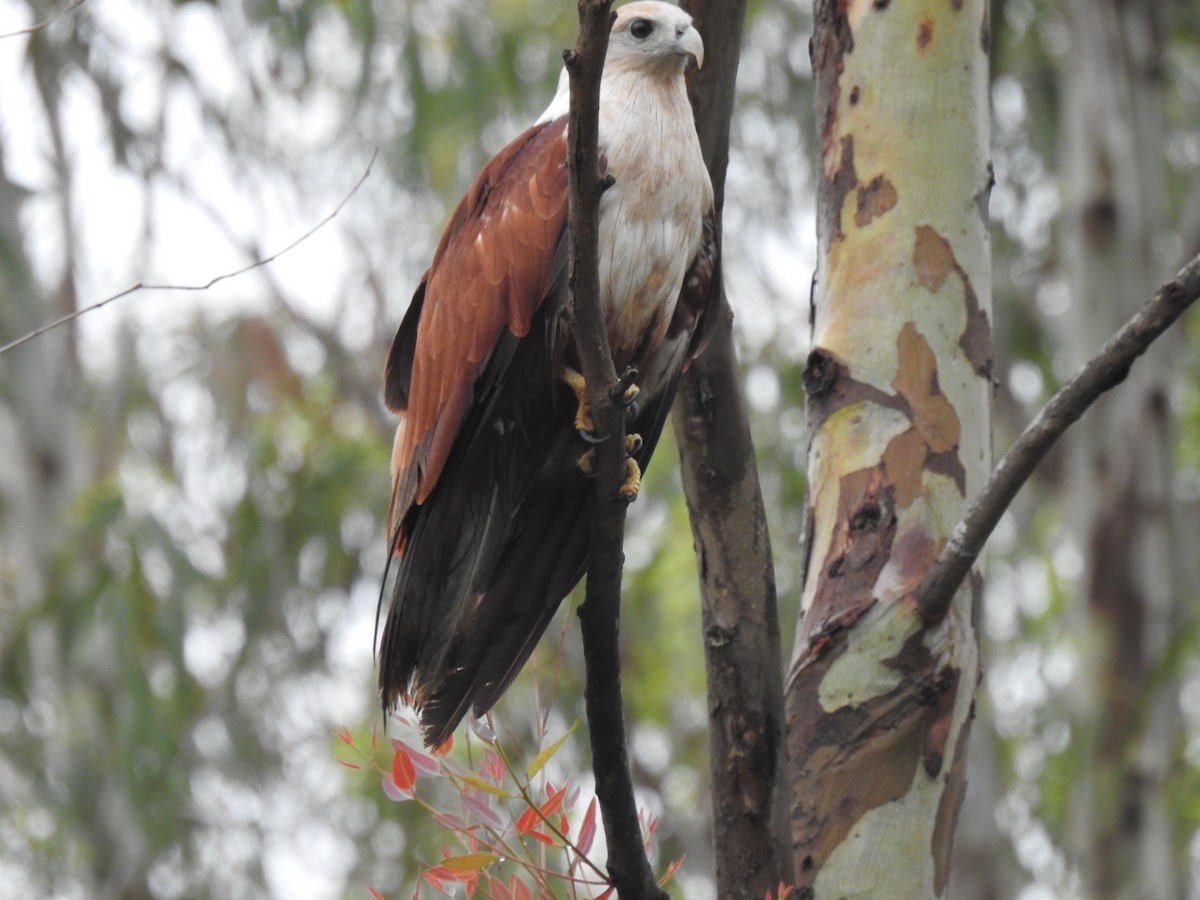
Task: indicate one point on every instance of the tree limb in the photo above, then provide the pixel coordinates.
(747, 753)
(1102, 372)
(599, 616)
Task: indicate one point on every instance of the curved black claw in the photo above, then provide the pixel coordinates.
(589, 436)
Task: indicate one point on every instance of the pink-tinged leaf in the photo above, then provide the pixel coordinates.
(442, 873)
(470, 862)
(423, 762)
(450, 822)
(392, 792)
(497, 889)
(651, 826)
(484, 813)
(434, 880)
(572, 799)
(403, 771)
(374, 893)
(587, 831)
(346, 736)
(543, 837)
(670, 873)
(348, 764)
(374, 734)
(444, 747)
(482, 730)
(520, 890)
(492, 766)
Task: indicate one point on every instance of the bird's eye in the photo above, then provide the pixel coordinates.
(641, 28)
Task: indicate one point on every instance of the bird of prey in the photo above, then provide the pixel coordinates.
(489, 520)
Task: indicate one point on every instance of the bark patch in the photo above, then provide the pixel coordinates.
(934, 262)
(924, 32)
(874, 200)
(916, 381)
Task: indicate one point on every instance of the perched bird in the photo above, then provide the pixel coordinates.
(489, 520)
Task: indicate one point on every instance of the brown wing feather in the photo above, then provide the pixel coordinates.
(490, 271)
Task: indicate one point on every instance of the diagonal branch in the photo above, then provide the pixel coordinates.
(600, 613)
(1101, 373)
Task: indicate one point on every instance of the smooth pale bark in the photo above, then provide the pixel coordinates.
(899, 383)
(1122, 510)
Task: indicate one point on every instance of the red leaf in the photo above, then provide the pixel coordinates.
(519, 889)
(527, 820)
(542, 836)
(606, 894)
(444, 747)
(587, 831)
(554, 802)
(671, 870)
(348, 765)
(404, 774)
(374, 893)
(374, 734)
(423, 762)
(346, 736)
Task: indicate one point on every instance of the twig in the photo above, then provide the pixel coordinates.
(1102, 372)
(54, 17)
(600, 613)
(142, 286)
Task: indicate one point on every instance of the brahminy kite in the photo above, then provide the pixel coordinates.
(489, 521)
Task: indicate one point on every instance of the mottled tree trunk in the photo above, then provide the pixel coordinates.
(1120, 503)
(879, 697)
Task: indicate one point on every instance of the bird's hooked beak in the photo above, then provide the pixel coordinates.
(689, 43)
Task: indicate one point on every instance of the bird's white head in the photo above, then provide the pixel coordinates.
(647, 36)
(654, 34)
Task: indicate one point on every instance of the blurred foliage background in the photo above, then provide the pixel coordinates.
(192, 483)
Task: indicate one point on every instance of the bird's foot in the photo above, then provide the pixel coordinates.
(632, 484)
(625, 393)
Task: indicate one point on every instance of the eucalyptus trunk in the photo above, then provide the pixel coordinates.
(879, 696)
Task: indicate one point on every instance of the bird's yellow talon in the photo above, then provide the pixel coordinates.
(633, 480)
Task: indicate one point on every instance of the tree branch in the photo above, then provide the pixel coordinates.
(599, 615)
(1102, 372)
(142, 286)
(747, 753)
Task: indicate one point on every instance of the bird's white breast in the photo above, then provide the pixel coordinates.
(651, 219)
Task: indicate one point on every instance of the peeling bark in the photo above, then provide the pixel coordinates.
(878, 699)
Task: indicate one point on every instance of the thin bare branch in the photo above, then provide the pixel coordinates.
(599, 615)
(143, 286)
(1102, 372)
(54, 17)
